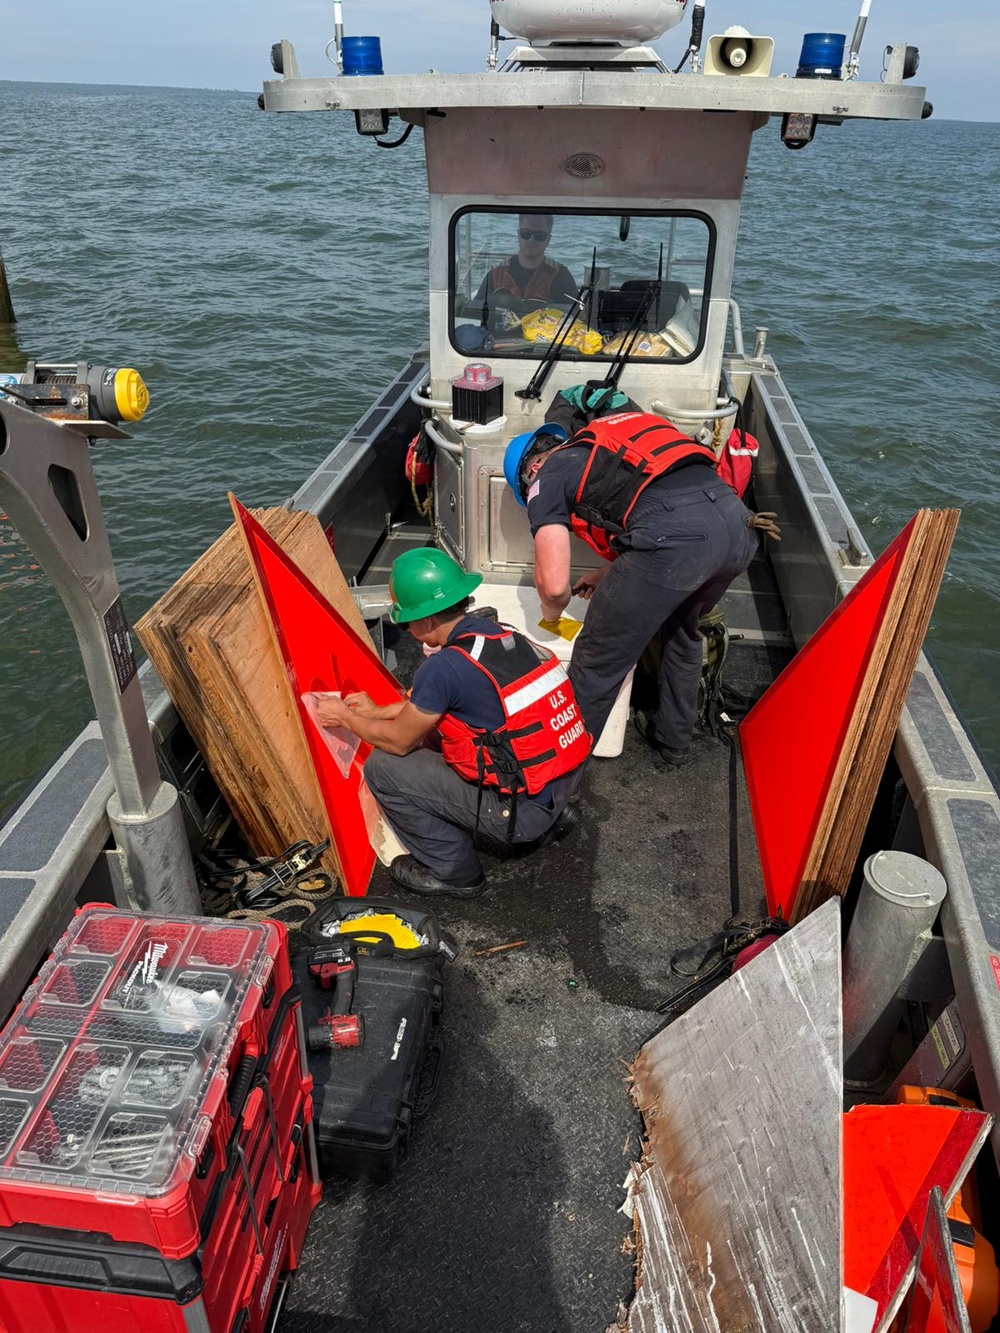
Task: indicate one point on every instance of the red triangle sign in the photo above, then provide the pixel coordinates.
(893, 1157)
(791, 738)
(321, 652)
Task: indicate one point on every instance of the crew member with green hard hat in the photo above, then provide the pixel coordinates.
(501, 709)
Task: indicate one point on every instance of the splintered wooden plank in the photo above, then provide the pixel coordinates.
(737, 1208)
(210, 641)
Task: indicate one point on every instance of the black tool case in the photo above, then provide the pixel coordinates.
(366, 1097)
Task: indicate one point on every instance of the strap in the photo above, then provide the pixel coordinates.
(727, 943)
(734, 841)
(605, 393)
(508, 767)
(737, 933)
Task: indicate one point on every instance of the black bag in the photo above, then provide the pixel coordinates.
(332, 921)
(366, 1097)
(575, 408)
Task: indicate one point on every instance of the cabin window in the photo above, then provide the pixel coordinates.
(522, 278)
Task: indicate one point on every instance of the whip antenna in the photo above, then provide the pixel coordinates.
(853, 55)
(694, 42)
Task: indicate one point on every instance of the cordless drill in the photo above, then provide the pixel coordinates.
(332, 967)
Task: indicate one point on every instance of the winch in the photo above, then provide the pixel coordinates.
(78, 391)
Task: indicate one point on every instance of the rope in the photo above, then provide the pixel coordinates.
(294, 910)
(297, 900)
(425, 507)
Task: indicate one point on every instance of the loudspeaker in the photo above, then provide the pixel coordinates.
(738, 52)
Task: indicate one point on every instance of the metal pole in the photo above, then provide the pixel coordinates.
(7, 315)
(898, 904)
(854, 54)
(48, 488)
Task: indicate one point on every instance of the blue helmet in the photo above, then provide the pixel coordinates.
(518, 447)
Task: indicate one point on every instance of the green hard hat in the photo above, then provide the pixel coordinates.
(424, 581)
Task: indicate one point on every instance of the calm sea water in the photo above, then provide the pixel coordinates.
(266, 274)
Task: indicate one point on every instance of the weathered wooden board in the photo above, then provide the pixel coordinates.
(737, 1206)
(210, 641)
(862, 758)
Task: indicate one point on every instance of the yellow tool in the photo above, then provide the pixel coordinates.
(566, 627)
(402, 935)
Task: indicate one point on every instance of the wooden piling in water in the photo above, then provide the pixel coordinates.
(7, 315)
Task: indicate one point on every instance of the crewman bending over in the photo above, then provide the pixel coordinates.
(512, 743)
(647, 499)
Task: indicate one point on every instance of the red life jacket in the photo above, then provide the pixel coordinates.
(628, 451)
(539, 285)
(542, 736)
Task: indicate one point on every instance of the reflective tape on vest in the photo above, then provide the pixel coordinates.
(537, 689)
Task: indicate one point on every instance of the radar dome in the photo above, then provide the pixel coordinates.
(543, 21)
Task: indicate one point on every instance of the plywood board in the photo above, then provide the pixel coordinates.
(737, 1207)
(816, 744)
(211, 644)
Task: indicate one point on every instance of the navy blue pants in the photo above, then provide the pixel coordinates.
(433, 810)
(678, 564)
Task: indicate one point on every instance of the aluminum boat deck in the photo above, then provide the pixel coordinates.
(505, 1214)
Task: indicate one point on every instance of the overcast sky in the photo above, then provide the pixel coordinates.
(225, 43)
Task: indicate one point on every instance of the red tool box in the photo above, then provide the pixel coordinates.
(157, 1161)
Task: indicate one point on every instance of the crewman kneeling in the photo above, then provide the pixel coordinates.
(512, 742)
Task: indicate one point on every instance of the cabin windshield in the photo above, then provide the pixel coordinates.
(519, 277)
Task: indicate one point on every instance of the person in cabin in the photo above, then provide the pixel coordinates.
(528, 274)
(490, 739)
(648, 500)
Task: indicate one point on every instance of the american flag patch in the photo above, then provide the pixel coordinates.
(533, 490)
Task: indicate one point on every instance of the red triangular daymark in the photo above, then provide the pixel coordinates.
(321, 652)
(791, 738)
(893, 1157)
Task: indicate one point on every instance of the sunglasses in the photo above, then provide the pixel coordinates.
(528, 234)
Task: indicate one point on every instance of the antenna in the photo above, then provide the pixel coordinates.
(694, 42)
(338, 32)
(853, 55)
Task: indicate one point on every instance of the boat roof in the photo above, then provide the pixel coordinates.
(412, 95)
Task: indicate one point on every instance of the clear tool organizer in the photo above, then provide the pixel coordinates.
(105, 1064)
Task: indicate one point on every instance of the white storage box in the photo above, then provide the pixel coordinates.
(517, 605)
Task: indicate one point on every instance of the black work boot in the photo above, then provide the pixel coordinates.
(644, 726)
(412, 874)
(560, 827)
